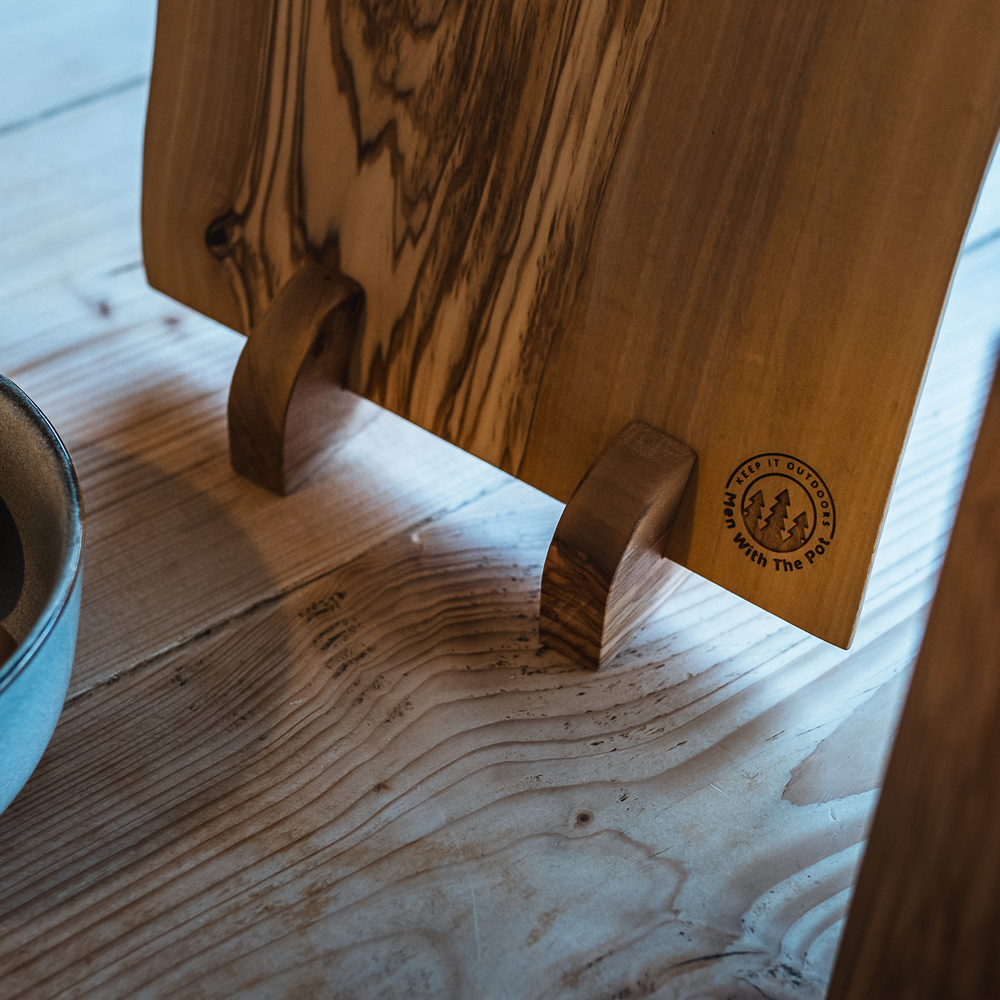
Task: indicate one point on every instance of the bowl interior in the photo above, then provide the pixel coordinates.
(11, 562)
(40, 531)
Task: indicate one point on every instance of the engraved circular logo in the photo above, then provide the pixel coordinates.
(781, 512)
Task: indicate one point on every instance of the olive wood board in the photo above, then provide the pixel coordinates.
(734, 222)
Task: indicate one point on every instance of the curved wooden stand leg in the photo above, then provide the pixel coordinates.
(285, 399)
(604, 574)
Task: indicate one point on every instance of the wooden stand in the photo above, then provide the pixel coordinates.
(286, 394)
(604, 573)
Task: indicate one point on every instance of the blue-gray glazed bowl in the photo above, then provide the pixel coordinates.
(41, 548)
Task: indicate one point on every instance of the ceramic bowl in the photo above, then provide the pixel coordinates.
(41, 545)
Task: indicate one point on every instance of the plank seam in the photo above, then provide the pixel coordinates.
(79, 102)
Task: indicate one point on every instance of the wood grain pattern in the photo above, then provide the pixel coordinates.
(604, 573)
(228, 808)
(568, 217)
(383, 767)
(926, 911)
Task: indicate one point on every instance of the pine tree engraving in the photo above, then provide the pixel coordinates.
(751, 514)
(774, 526)
(797, 533)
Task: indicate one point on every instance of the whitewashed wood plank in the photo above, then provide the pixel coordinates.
(69, 204)
(55, 54)
(257, 784)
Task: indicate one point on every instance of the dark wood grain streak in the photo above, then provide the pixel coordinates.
(498, 124)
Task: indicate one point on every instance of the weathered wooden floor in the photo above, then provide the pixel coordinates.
(311, 748)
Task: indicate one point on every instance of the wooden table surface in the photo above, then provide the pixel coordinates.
(311, 747)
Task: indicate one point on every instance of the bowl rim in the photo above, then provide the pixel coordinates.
(72, 561)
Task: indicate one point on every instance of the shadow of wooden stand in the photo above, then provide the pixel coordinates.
(605, 572)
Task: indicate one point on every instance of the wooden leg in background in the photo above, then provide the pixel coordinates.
(604, 574)
(924, 923)
(286, 400)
